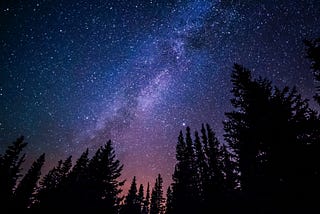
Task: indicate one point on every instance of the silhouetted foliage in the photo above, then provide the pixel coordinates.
(102, 185)
(146, 204)
(10, 171)
(24, 193)
(169, 205)
(51, 192)
(269, 163)
(91, 184)
(268, 125)
(200, 177)
(313, 53)
(132, 202)
(140, 197)
(156, 206)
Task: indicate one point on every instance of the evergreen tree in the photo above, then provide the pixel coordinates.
(180, 185)
(157, 199)
(51, 191)
(141, 197)
(102, 183)
(187, 181)
(313, 53)
(10, 171)
(249, 99)
(169, 205)
(268, 125)
(72, 189)
(23, 195)
(215, 185)
(79, 170)
(191, 171)
(230, 175)
(132, 202)
(146, 204)
(202, 167)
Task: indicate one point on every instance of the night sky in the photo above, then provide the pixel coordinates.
(74, 74)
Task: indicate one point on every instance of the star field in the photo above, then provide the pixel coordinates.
(74, 74)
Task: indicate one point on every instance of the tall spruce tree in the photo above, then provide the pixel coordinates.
(180, 184)
(267, 125)
(103, 185)
(79, 170)
(51, 191)
(10, 171)
(313, 53)
(141, 196)
(192, 172)
(132, 203)
(216, 177)
(146, 204)
(157, 199)
(72, 190)
(24, 193)
(202, 167)
(189, 175)
(169, 205)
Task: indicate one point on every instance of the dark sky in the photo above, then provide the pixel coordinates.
(74, 73)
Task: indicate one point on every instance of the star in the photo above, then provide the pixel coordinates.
(75, 75)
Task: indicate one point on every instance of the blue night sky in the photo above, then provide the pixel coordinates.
(74, 74)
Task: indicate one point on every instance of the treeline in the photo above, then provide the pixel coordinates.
(90, 185)
(269, 162)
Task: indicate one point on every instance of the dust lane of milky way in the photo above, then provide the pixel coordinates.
(76, 73)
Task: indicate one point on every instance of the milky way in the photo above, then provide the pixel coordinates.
(75, 74)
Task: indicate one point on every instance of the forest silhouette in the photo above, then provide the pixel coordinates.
(268, 163)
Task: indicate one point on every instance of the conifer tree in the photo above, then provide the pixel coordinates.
(169, 205)
(186, 196)
(157, 199)
(79, 170)
(24, 193)
(202, 167)
(132, 203)
(146, 204)
(268, 125)
(10, 171)
(51, 191)
(141, 197)
(180, 185)
(191, 171)
(313, 53)
(229, 166)
(73, 188)
(102, 183)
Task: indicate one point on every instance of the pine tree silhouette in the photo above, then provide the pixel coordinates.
(51, 191)
(157, 199)
(186, 196)
(169, 205)
(313, 53)
(141, 197)
(268, 125)
(215, 185)
(72, 189)
(103, 186)
(132, 202)
(10, 171)
(203, 170)
(180, 183)
(146, 204)
(24, 193)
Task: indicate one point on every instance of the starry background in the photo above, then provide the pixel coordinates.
(74, 74)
